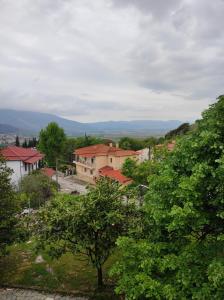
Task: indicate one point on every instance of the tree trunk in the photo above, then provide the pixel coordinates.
(100, 276)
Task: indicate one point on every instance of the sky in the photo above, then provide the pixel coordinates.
(96, 60)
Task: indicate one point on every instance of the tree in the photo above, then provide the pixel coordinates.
(87, 224)
(129, 143)
(139, 172)
(181, 253)
(24, 145)
(17, 141)
(37, 188)
(51, 142)
(182, 129)
(129, 168)
(8, 208)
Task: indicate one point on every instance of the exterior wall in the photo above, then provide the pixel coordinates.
(143, 155)
(19, 170)
(87, 170)
(85, 175)
(101, 161)
(119, 161)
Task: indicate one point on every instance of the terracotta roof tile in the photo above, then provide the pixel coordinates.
(103, 150)
(48, 171)
(28, 155)
(108, 171)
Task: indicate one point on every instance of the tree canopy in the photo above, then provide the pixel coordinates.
(51, 142)
(88, 224)
(182, 129)
(129, 143)
(8, 208)
(180, 255)
(36, 188)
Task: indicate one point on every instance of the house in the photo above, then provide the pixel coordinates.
(49, 172)
(170, 147)
(101, 160)
(21, 160)
(115, 175)
(143, 155)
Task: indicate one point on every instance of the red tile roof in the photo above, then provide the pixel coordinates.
(169, 146)
(108, 171)
(48, 171)
(103, 150)
(27, 155)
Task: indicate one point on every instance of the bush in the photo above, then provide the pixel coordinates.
(37, 189)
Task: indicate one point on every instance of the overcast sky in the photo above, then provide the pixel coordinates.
(93, 60)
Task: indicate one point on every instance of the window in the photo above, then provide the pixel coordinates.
(92, 160)
(91, 172)
(25, 165)
(85, 169)
(111, 160)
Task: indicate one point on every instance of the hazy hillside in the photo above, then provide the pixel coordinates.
(32, 122)
(8, 129)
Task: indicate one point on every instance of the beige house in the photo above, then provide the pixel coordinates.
(101, 160)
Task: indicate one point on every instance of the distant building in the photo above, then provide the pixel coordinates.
(143, 155)
(21, 160)
(170, 147)
(102, 160)
(49, 172)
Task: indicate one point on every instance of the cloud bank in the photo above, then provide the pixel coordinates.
(112, 59)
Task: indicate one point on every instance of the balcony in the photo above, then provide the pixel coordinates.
(85, 164)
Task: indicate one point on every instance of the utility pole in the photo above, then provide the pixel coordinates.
(57, 172)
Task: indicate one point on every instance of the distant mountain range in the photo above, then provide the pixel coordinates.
(8, 129)
(28, 122)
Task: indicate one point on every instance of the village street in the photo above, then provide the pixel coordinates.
(22, 294)
(68, 184)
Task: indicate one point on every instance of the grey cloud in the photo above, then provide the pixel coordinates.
(116, 59)
(158, 8)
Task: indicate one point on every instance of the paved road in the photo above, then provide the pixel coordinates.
(68, 184)
(20, 294)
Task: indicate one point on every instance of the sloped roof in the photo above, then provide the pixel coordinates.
(169, 146)
(108, 171)
(27, 155)
(48, 171)
(103, 150)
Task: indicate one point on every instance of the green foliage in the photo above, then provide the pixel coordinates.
(180, 255)
(17, 141)
(36, 188)
(89, 224)
(182, 129)
(139, 172)
(129, 143)
(51, 142)
(9, 206)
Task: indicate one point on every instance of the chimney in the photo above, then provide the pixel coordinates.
(111, 144)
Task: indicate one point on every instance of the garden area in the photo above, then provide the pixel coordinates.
(70, 274)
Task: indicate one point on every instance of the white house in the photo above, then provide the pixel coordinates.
(143, 155)
(21, 160)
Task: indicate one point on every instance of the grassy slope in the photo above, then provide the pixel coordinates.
(69, 274)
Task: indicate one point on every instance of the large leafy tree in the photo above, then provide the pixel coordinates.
(182, 253)
(36, 188)
(51, 142)
(139, 172)
(8, 208)
(88, 224)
